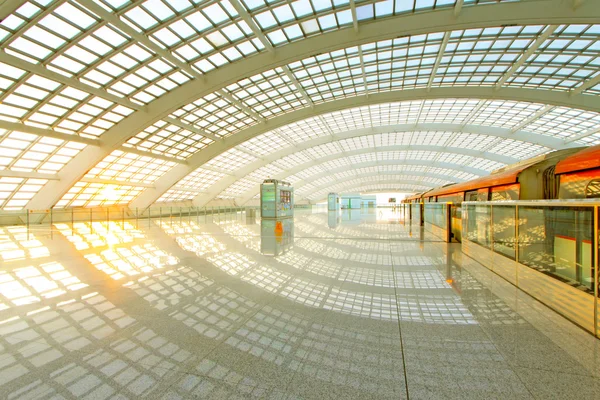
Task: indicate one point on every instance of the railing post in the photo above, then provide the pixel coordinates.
(51, 222)
(72, 223)
(136, 218)
(91, 220)
(123, 218)
(171, 216)
(160, 216)
(28, 211)
(107, 219)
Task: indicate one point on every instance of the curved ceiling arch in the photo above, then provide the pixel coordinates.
(411, 165)
(218, 187)
(424, 179)
(351, 185)
(428, 178)
(170, 178)
(554, 12)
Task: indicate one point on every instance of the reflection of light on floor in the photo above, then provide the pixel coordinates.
(85, 235)
(168, 289)
(232, 263)
(432, 309)
(123, 258)
(201, 245)
(30, 284)
(124, 262)
(15, 245)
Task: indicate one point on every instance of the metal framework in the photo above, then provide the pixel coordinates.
(90, 91)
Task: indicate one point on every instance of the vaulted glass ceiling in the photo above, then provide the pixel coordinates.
(132, 102)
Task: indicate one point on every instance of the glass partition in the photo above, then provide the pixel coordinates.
(557, 241)
(436, 214)
(504, 230)
(415, 215)
(478, 224)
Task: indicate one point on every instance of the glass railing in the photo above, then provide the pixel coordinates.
(415, 213)
(556, 238)
(436, 218)
(45, 219)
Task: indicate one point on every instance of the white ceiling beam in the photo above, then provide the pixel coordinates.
(458, 7)
(440, 20)
(247, 18)
(582, 135)
(146, 41)
(8, 7)
(586, 85)
(191, 128)
(354, 16)
(40, 70)
(363, 70)
(188, 189)
(526, 54)
(116, 183)
(14, 126)
(145, 153)
(7, 173)
(298, 86)
(544, 110)
(438, 59)
(473, 113)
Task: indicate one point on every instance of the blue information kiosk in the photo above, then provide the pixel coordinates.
(276, 199)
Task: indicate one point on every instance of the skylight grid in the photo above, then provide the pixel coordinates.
(563, 122)
(26, 152)
(269, 93)
(230, 160)
(362, 158)
(282, 22)
(483, 56)
(129, 167)
(200, 179)
(293, 160)
(269, 171)
(15, 193)
(39, 31)
(206, 35)
(86, 194)
(214, 114)
(505, 113)
(366, 188)
(265, 144)
(564, 61)
(173, 195)
(472, 141)
(518, 149)
(447, 110)
(387, 65)
(169, 140)
(324, 150)
(42, 102)
(239, 187)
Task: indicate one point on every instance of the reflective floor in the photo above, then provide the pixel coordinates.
(350, 305)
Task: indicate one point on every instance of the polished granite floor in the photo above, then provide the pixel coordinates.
(354, 305)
